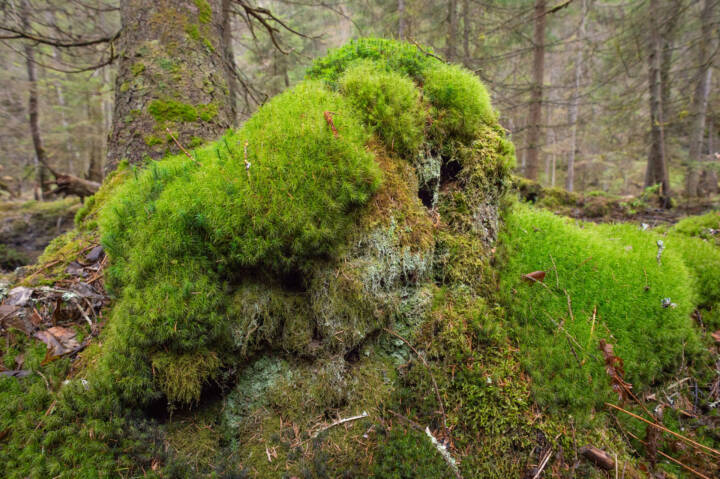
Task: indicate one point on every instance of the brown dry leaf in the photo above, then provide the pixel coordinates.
(59, 341)
(616, 371)
(534, 277)
(716, 336)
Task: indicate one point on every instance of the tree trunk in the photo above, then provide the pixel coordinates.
(533, 145)
(173, 73)
(710, 183)
(40, 159)
(466, 32)
(574, 101)
(656, 168)
(401, 19)
(700, 101)
(452, 31)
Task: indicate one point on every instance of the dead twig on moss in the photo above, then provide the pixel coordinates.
(339, 422)
(690, 469)
(187, 153)
(697, 445)
(543, 463)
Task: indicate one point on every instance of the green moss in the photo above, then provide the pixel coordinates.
(152, 140)
(611, 268)
(461, 104)
(204, 11)
(390, 105)
(407, 454)
(193, 31)
(207, 112)
(705, 226)
(391, 55)
(171, 110)
(137, 68)
(182, 376)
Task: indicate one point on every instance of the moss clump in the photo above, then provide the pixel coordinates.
(204, 11)
(705, 226)
(390, 55)
(277, 255)
(461, 103)
(601, 282)
(389, 103)
(171, 110)
(407, 454)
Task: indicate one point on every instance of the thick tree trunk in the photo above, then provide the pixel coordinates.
(533, 145)
(401, 19)
(656, 168)
(700, 101)
(451, 52)
(574, 103)
(173, 73)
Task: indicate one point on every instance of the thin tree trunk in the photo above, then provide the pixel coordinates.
(401, 19)
(574, 101)
(452, 31)
(711, 174)
(173, 73)
(656, 168)
(40, 159)
(466, 32)
(533, 145)
(700, 101)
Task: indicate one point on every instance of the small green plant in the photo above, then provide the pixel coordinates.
(408, 454)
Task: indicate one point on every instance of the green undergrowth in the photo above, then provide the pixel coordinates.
(602, 282)
(705, 226)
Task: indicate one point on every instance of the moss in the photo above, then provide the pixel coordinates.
(207, 112)
(615, 288)
(137, 68)
(171, 110)
(704, 226)
(152, 140)
(193, 31)
(204, 11)
(283, 274)
(390, 105)
(407, 454)
(182, 376)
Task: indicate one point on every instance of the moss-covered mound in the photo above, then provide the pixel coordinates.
(602, 282)
(255, 283)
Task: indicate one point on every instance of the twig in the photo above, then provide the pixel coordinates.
(543, 463)
(338, 422)
(663, 428)
(444, 453)
(181, 147)
(557, 279)
(699, 474)
(424, 51)
(432, 378)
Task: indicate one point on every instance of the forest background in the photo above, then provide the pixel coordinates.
(609, 96)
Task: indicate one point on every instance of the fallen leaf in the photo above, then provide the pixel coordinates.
(716, 336)
(95, 254)
(59, 340)
(534, 277)
(19, 296)
(615, 369)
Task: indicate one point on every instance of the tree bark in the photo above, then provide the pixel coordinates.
(656, 172)
(173, 73)
(700, 101)
(40, 159)
(451, 52)
(574, 102)
(466, 32)
(710, 175)
(533, 146)
(401, 19)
